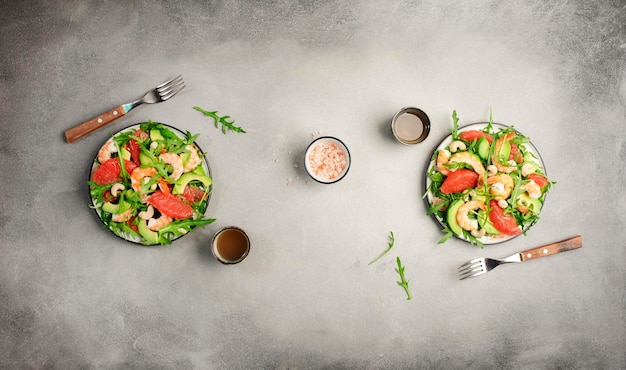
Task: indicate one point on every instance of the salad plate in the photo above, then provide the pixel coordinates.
(150, 184)
(485, 183)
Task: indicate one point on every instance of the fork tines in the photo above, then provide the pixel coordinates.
(170, 88)
(472, 268)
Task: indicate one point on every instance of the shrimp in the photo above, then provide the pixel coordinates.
(122, 217)
(194, 159)
(176, 163)
(105, 152)
(501, 185)
(462, 215)
(155, 224)
(471, 159)
(532, 188)
(442, 158)
(138, 174)
(494, 158)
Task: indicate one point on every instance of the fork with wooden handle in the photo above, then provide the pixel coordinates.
(159, 94)
(481, 266)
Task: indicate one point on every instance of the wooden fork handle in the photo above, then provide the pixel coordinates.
(553, 248)
(93, 124)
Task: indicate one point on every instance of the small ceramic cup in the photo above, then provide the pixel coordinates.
(410, 126)
(327, 160)
(230, 245)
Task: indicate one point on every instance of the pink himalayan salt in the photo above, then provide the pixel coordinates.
(327, 161)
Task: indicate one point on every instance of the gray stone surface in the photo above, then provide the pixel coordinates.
(72, 295)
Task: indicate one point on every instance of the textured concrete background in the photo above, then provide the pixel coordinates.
(74, 296)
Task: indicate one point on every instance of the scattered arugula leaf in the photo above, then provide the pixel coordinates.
(390, 245)
(403, 282)
(223, 120)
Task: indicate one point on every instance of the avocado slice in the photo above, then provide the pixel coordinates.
(486, 224)
(534, 205)
(125, 154)
(145, 160)
(113, 208)
(451, 217)
(530, 157)
(505, 151)
(483, 148)
(155, 135)
(151, 237)
(199, 170)
(179, 185)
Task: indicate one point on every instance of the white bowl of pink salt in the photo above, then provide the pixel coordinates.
(327, 160)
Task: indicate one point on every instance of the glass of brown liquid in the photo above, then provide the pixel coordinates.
(410, 126)
(230, 245)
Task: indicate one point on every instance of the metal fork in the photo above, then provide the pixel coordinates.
(481, 266)
(159, 94)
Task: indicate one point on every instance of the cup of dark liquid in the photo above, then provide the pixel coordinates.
(230, 245)
(410, 126)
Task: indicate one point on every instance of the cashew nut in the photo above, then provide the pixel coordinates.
(457, 145)
(527, 169)
(116, 188)
(502, 203)
(147, 214)
(492, 170)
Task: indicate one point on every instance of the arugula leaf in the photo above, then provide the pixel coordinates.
(489, 126)
(455, 130)
(390, 245)
(403, 282)
(180, 227)
(449, 233)
(223, 120)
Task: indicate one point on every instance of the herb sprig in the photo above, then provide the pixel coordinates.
(403, 282)
(223, 120)
(389, 246)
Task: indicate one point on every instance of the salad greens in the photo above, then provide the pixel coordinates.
(149, 185)
(403, 282)
(389, 246)
(223, 120)
(485, 183)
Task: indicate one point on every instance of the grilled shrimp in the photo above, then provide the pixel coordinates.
(442, 158)
(105, 152)
(501, 185)
(155, 224)
(122, 217)
(470, 159)
(138, 174)
(176, 163)
(532, 188)
(194, 159)
(462, 215)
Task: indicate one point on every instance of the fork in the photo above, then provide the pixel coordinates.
(159, 94)
(481, 266)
